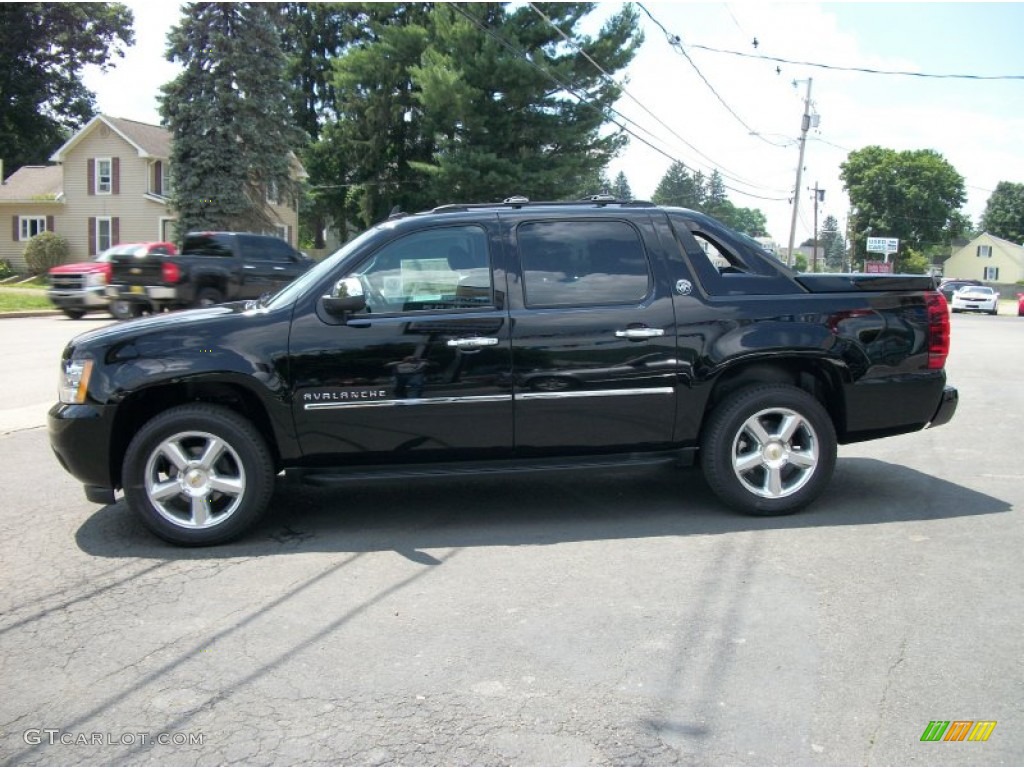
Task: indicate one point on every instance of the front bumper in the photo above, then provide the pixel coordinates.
(947, 407)
(80, 436)
(974, 306)
(85, 298)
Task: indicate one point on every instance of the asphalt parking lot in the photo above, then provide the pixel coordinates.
(615, 619)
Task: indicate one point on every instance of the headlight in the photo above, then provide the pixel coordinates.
(95, 278)
(74, 380)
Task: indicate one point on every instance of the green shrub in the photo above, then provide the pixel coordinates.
(45, 250)
(6, 270)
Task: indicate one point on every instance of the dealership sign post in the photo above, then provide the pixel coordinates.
(883, 245)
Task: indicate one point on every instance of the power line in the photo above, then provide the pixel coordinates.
(676, 43)
(525, 57)
(608, 77)
(864, 70)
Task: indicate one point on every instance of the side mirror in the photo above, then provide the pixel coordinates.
(346, 297)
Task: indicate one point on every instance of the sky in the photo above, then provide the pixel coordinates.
(738, 114)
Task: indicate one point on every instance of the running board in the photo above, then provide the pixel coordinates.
(328, 476)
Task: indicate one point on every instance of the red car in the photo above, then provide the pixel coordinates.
(76, 289)
(1020, 305)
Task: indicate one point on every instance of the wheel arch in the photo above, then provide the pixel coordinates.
(820, 378)
(139, 407)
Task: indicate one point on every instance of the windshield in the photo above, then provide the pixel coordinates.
(293, 290)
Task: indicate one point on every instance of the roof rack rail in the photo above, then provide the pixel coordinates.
(519, 201)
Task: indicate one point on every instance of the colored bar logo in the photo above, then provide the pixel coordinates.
(958, 730)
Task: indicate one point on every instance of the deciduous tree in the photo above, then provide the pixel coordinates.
(43, 50)
(914, 195)
(1004, 212)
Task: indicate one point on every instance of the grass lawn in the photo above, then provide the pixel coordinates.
(18, 299)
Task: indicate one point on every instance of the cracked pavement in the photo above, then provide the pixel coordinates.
(623, 618)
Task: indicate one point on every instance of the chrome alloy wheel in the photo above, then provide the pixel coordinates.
(194, 480)
(775, 453)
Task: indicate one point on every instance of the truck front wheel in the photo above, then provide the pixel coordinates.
(207, 297)
(198, 475)
(768, 449)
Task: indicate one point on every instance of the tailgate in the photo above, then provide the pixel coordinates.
(137, 270)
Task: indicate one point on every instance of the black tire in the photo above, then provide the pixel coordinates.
(74, 314)
(186, 498)
(207, 297)
(124, 310)
(768, 449)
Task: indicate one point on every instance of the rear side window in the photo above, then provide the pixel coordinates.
(582, 263)
(279, 250)
(207, 245)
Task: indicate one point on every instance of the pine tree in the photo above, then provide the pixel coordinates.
(677, 188)
(716, 199)
(620, 187)
(514, 108)
(228, 114)
(832, 244)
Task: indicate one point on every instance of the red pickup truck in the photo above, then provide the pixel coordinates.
(77, 289)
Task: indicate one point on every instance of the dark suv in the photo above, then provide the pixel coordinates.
(505, 337)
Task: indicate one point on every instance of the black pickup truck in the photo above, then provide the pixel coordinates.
(505, 337)
(213, 267)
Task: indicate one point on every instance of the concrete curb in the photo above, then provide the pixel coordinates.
(30, 313)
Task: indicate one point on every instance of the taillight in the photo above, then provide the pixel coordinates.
(938, 329)
(169, 272)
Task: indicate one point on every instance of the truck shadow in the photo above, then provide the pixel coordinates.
(539, 509)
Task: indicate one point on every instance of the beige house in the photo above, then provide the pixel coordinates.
(109, 186)
(987, 258)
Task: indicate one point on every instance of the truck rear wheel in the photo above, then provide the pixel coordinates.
(198, 475)
(768, 449)
(73, 314)
(124, 310)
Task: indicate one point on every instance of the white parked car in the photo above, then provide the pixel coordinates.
(976, 298)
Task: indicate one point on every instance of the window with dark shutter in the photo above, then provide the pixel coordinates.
(14, 229)
(92, 235)
(115, 173)
(90, 176)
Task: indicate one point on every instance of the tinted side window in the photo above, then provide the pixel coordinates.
(279, 250)
(582, 263)
(207, 245)
(255, 248)
(434, 269)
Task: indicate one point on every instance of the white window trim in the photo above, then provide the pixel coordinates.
(282, 231)
(165, 179)
(984, 251)
(100, 247)
(160, 226)
(110, 176)
(273, 196)
(991, 274)
(23, 226)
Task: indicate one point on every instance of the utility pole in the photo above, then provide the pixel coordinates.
(819, 196)
(804, 127)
